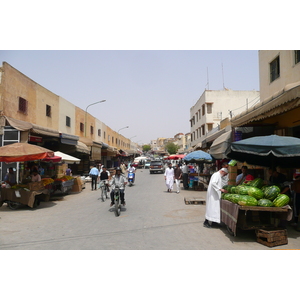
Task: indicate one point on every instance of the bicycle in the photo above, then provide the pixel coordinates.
(104, 190)
(117, 195)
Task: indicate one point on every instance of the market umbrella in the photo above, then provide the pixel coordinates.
(176, 156)
(53, 159)
(198, 157)
(23, 152)
(267, 151)
(66, 158)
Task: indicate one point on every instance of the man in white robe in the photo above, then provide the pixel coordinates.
(213, 198)
(169, 178)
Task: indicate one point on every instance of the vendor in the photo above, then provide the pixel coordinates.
(35, 176)
(10, 177)
(278, 179)
(241, 177)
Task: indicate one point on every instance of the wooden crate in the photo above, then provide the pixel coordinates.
(194, 200)
(272, 237)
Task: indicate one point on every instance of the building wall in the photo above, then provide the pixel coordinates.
(223, 103)
(43, 98)
(14, 84)
(289, 71)
(67, 109)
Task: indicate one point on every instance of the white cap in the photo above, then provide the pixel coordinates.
(224, 170)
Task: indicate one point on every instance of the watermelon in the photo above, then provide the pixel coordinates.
(281, 200)
(228, 187)
(229, 197)
(264, 187)
(265, 202)
(233, 190)
(235, 198)
(271, 192)
(247, 201)
(255, 192)
(242, 190)
(257, 182)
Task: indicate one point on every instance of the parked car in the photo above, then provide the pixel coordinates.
(147, 165)
(156, 166)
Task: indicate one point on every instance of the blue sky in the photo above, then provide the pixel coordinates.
(149, 91)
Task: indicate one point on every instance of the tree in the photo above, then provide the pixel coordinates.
(171, 148)
(146, 148)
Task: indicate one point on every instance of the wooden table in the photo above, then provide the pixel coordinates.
(252, 217)
(27, 197)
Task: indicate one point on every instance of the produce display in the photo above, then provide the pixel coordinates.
(47, 181)
(254, 193)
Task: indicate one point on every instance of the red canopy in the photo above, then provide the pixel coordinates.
(54, 159)
(176, 156)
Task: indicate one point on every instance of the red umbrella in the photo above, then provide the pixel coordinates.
(54, 159)
(23, 152)
(176, 156)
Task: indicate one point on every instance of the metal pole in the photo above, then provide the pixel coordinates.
(86, 114)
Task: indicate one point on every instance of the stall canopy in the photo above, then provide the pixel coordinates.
(220, 146)
(198, 156)
(267, 151)
(66, 158)
(176, 156)
(23, 152)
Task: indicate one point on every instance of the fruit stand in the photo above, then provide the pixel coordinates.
(64, 184)
(27, 194)
(252, 217)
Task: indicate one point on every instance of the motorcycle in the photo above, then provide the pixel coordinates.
(131, 177)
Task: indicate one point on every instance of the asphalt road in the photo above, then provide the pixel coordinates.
(151, 220)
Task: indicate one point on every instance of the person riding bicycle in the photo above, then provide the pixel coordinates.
(118, 180)
(131, 169)
(105, 175)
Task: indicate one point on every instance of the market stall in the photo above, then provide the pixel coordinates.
(29, 195)
(252, 217)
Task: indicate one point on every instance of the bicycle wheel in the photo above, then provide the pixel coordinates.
(13, 205)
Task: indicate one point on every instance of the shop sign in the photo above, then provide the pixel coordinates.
(35, 139)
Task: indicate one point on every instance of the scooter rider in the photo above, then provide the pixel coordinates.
(131, 169)
(120, 180)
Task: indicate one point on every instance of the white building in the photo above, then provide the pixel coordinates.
(214, 106)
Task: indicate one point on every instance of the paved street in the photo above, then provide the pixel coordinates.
(151, 219)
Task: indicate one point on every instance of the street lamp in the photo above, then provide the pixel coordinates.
(123, 128)
(86, 114)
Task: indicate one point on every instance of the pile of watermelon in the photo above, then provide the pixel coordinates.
(255, 193)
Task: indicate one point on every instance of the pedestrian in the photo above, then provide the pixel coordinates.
(213, 198)
(185, 176)
(177, 175)
(94, 173)
(169, 178)
(225, 178)
(123, 167)
(68, 171)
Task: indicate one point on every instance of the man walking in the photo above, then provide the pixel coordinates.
(169, 178)
(178, 175)
(185, 176)
(94, 173)
(213, 209)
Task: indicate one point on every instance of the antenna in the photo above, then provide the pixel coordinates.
(223, 77)
(207, 79)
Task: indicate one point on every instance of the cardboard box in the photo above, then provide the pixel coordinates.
(36, 186)
(76, 189)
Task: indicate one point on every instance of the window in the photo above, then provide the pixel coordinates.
(48, 110)
(99, 132)
(81, 127)
(104, 135)
(274, 69)
(108, 138)
(92, 130)
(68, 121)
(112, 139)
(203, 109)
(23, 105)
(203, 130)
(209, 108)
(209, 127)
(297, 56)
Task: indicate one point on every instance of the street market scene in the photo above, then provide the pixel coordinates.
(236, 176)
